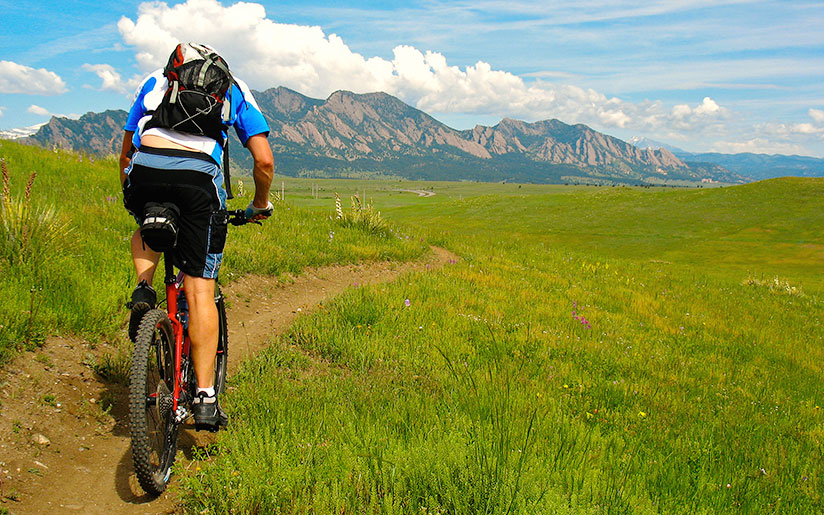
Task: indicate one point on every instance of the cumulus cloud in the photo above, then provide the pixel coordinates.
(790, 129)
(817, 115)
(2, 108)
(39, 111)
(266, 53)
(757, 146)
(17, 78)
(42, 111)
(111, 79)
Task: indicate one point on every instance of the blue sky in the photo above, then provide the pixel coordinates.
(729, 76)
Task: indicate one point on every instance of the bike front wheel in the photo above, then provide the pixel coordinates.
(222, 357)
(151, 417)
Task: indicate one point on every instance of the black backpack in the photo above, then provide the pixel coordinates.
(199, 85)
(199, 82)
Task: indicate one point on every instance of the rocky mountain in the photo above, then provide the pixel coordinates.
(644, 142)
(376, 134)
(97, 133)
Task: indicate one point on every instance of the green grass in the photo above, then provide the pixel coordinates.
(77, 280)
(690, 386)
(612, 350)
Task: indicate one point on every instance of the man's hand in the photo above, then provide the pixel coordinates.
(254, 213)
(125, 149)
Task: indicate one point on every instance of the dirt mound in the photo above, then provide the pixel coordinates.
(64, 436)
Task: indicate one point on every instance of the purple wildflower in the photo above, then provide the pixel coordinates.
(407, 302)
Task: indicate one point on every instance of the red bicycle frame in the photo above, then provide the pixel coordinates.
(174, 287)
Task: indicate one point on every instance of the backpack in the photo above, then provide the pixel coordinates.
(199, 82)
(199, 86)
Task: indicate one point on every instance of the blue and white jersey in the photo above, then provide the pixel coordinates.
(245, 116)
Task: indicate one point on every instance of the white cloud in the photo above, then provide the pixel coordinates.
(39, 111)
(266, 54)
(111, 79)
(790, 129)
(817, 115)
(17, 78)
(757, 146)
(2, 108)
(42, 111)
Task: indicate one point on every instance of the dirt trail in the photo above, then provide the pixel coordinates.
(60, 452)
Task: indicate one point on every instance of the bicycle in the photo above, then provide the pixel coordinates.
(162, 382)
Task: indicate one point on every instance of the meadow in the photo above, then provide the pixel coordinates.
(613, 350)
(596, 349)
(64, 251)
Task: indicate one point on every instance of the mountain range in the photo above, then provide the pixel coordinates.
(378, 135)
(754, 166)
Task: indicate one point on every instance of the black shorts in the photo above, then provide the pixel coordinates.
(202, 229)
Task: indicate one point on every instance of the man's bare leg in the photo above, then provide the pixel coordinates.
(145, 259)
(203, 327)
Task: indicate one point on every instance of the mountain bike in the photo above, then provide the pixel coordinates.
(162, 381)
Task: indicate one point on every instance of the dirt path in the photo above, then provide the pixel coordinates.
(420, 193)
(61, 452)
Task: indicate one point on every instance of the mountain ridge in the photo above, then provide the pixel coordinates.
(368, 134)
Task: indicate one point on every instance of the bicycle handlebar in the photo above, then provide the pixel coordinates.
(237, 217)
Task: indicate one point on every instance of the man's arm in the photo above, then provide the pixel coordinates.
(263, 170)
(124, 154)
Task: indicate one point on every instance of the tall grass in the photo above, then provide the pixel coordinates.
(552, 370)
(64, 252)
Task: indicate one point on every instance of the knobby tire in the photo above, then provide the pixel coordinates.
(222, 357)
(151, 418)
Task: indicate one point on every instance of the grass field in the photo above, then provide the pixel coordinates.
(65, 265)
(597, 349)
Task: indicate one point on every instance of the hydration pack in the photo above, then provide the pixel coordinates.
(197, 99)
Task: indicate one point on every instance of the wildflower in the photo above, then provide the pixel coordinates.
(407, 303)
(642, 414)
(573, 312)
(566, 386)
(729, 485)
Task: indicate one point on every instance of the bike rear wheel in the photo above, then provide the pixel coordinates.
(222, 357)
(151, 417)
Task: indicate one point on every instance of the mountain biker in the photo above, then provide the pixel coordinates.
(159, 164)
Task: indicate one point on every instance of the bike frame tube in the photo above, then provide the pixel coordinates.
(173, 286)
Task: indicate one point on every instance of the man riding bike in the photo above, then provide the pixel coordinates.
(169, 157)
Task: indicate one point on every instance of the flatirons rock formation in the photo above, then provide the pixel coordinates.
(376, 134)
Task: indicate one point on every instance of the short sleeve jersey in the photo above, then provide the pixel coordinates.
(245, 116)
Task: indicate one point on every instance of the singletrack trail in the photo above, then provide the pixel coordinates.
(60, 452)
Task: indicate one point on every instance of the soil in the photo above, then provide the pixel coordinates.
(64, 435)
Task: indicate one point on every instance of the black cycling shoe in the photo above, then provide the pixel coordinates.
(208, 414)
(143, 299)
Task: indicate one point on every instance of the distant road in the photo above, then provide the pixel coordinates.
(420, 193)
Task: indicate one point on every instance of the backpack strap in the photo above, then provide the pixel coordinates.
(228, 178)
